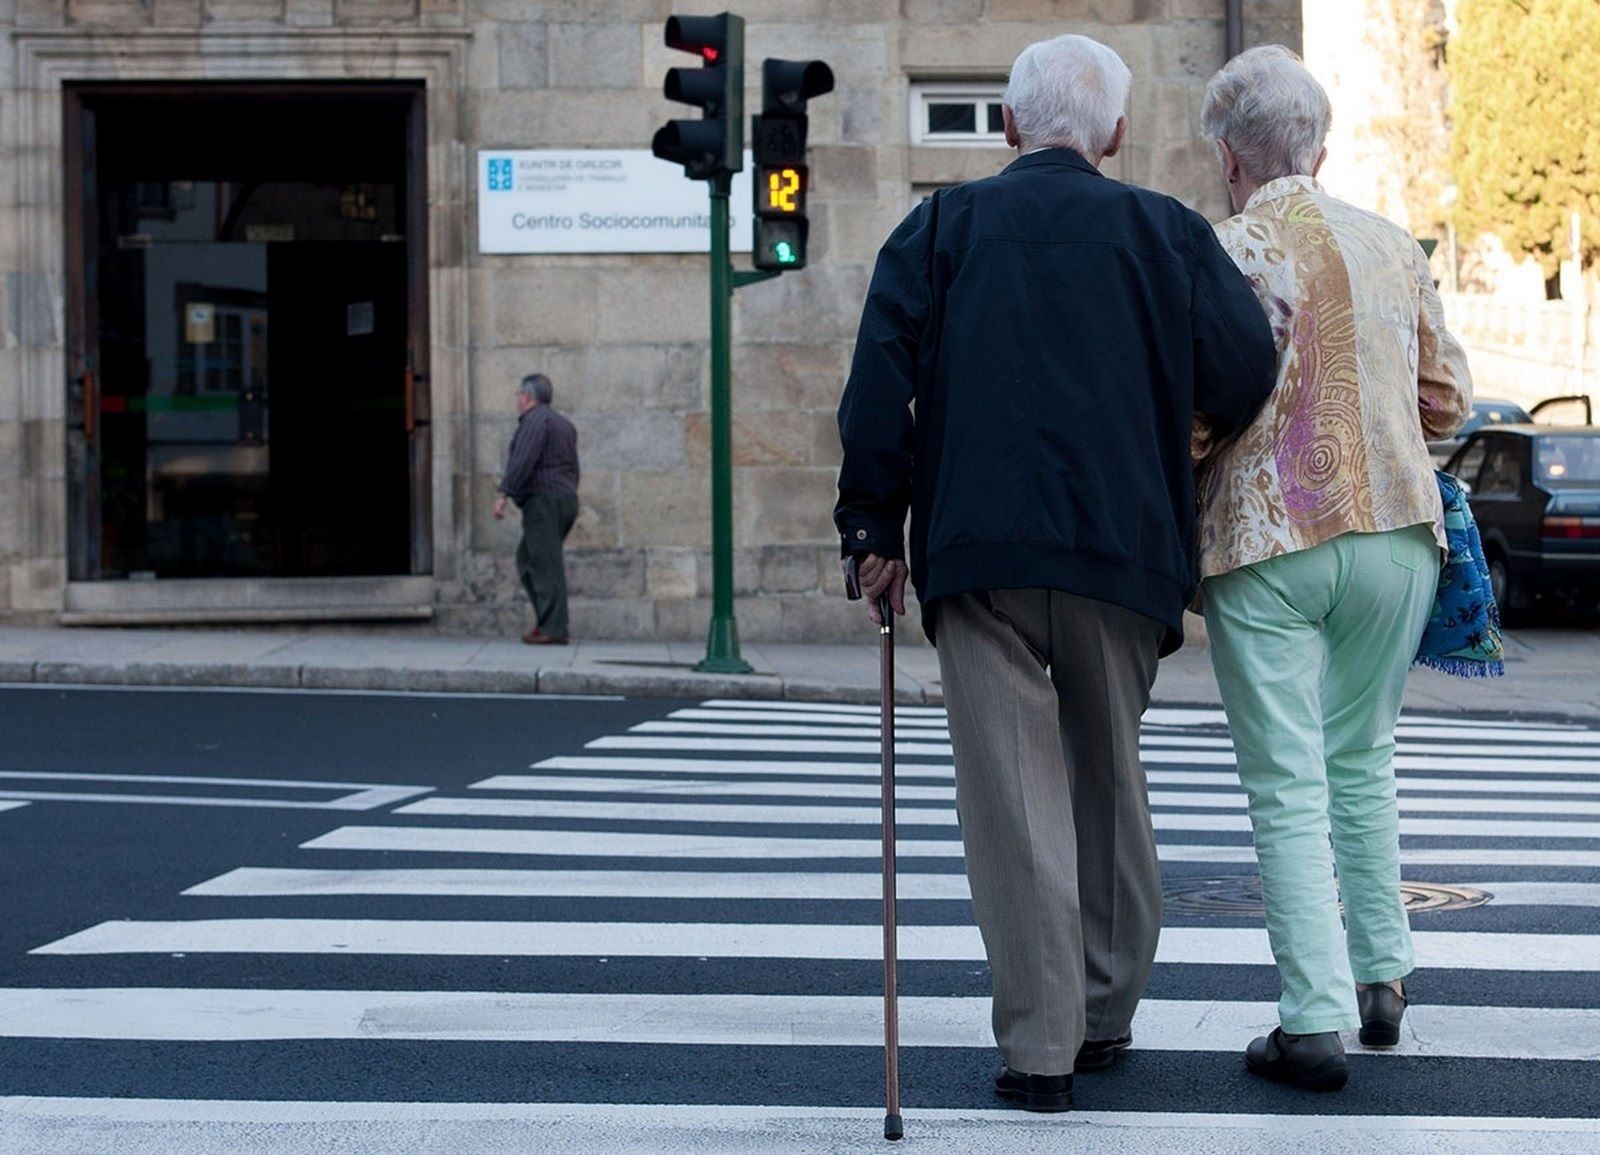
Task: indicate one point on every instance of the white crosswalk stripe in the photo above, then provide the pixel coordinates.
(1228, 946)
(752, 1020)
(732, 835)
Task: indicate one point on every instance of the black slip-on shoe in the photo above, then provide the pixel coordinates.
(1310, 1062)
(1381, 1009)
(1035, 1092)
(1098, 1054)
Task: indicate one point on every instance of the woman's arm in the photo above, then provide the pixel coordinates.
(1444, 382)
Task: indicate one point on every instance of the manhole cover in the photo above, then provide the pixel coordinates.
(1242, 895)
(1432, 896)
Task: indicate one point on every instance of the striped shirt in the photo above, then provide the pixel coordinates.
(543, 458)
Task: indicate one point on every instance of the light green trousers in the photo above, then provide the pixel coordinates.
(1311, 651)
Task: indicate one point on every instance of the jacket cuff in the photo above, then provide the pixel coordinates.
(864, 539)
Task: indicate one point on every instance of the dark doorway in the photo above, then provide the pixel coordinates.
(247, 331)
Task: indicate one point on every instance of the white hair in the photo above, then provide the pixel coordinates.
(1068, 92)
(1271, 111)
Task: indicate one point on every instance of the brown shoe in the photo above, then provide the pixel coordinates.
(534, 638)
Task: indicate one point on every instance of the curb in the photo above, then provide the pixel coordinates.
(632, 683)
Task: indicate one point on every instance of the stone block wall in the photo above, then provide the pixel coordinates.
(624, 338)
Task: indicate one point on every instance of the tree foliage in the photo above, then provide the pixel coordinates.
(1409, 38)
(1525, 146)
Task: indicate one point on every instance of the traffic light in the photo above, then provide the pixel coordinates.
(778, 140)
(714, 144)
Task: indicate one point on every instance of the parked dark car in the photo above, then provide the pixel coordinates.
(1535, 491)
(1487, 412)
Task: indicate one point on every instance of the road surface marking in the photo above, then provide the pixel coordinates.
(614, 844)
(1222, 800)
(1241, 946)
(698, 810)
(215, 1015)
(256, 882)
(460, 882)
(741, 766)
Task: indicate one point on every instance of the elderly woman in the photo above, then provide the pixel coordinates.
(1320, 538)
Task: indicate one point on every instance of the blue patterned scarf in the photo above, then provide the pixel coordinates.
(1463, 634)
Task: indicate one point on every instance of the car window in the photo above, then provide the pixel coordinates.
(1502, 468)
(1494, 413)
(1568, 460)
(1467, 463)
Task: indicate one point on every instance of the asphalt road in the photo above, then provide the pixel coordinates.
(375, 921)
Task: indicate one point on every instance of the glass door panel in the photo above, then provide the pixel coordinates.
(251, 322)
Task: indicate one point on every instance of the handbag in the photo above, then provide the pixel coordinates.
(1462, 636)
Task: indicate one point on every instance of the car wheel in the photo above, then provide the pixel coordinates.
(1499, 581)
(1506, 594)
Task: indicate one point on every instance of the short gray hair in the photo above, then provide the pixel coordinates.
(537, 386)
(1068, 92)
(1270, 110)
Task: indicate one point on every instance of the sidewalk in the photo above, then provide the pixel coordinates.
(1549, 671)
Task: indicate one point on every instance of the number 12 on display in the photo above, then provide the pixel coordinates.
(783, 190)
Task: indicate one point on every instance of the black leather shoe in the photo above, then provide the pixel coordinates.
(1310, 1062)
(1381, 1011)
(1035, 1092)
(1097, 1055)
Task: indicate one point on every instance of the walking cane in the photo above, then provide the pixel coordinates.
(893, 1125)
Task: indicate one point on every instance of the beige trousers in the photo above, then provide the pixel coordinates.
(1044, 691)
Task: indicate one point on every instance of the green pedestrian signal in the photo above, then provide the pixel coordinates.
(780, 245)
(778, 142)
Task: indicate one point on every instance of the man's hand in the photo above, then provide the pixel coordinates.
(880, 574)
(500, 506)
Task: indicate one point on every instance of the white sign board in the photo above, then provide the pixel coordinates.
(598, 201)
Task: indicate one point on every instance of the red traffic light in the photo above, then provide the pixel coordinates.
(715, 143)
(706, 36)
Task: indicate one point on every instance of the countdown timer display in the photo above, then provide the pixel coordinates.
(781, 190)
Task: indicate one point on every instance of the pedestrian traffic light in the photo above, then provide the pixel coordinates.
(714, 144)
(778, 141)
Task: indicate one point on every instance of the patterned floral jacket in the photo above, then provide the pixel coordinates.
(1367, 373)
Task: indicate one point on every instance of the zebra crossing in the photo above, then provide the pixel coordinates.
(689, 906)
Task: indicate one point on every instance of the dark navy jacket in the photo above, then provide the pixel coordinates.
(1032, 352)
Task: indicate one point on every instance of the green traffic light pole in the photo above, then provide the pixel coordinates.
(722, 641)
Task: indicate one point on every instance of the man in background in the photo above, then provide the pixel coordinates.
(541, 477)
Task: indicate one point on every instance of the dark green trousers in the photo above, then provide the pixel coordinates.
(546, 520)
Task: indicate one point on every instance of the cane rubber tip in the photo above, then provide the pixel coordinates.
(893, 1127)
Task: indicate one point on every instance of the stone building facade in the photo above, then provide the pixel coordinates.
(623, 337)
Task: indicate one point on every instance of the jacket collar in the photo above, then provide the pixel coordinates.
(1284, 186)
(1053, 158)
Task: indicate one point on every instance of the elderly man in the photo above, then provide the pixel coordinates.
(1032, 353)
(542, 478)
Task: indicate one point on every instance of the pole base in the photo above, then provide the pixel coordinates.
(722, 649)
(721, 665)
(893, 1127)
